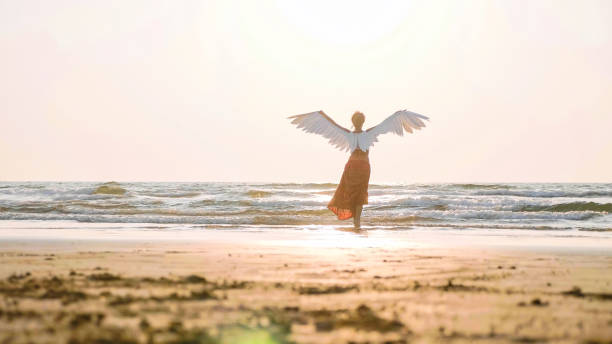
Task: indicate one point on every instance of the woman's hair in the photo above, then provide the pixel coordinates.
(358, 119)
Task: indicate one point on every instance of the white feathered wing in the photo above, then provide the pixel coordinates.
(319, 123)
(396, 123)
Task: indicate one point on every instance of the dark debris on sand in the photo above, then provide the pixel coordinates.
(195, 292)
(361, 318)
(537, 302)
(104, 276)
(450, 286)
(319, 290)
(577, 292)
(91, 304)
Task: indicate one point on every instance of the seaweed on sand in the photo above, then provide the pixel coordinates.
(334, 289)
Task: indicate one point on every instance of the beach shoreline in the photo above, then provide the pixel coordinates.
(307, 286)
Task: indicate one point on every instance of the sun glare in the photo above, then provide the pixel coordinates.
(346, 23)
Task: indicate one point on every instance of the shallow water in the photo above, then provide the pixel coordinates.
(585, 207)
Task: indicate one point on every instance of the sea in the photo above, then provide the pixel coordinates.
(585, 208)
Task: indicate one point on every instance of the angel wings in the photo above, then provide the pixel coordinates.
(319, 123)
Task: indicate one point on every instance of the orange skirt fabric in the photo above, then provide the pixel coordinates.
(352, 190)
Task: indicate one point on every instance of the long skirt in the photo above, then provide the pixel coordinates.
(352, 190)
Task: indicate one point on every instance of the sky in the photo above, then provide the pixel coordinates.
(517, 91)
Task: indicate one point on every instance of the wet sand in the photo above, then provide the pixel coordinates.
(270, 286)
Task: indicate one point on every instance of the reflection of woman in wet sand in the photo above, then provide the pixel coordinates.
(352, 192)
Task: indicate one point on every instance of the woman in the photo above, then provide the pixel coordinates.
(352, 192)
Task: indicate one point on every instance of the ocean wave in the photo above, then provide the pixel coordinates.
(297, 185)
(512, 226)
(406, 222)
(438, 207)
(126, 209)
(258, 194)
(34, 208)
(546, 193)
(505, 215)
(23, 186)
(443, 202)
(92, 205)
(587, 229)
(213, 202)
(433, 209)
(404, 219)
(326, 192)
(110, 188)
(173, 195)
(307, 186)
(454, 205)
(568, 207)
(385, 186)
(482, 186)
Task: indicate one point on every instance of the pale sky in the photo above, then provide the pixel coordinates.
(517, 91)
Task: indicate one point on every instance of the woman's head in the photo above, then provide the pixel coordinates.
(358, 119)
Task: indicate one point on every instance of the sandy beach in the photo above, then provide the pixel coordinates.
(270, 286)
(192, 172)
